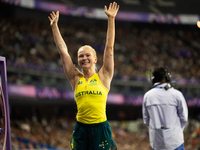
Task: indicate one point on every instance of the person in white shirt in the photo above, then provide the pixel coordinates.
(164, 112)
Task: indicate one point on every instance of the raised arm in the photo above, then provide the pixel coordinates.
(68, 66)
(107, 70)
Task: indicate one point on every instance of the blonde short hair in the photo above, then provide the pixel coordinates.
(88, 46)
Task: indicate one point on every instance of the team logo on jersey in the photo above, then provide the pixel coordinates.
(80, 82)
(93, 82)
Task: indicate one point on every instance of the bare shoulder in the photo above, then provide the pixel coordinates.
(77, 76)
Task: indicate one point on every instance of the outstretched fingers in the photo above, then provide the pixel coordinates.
(113, 9)
(110, 6)
(52, 14)
(105, 8)
(50, 19)
(113, 6)
(53, 18)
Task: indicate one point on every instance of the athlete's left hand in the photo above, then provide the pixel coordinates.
(112, 11)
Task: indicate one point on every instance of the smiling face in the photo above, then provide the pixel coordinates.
(87, 57)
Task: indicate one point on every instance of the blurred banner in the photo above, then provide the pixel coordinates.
(99, 13)
(52, 93)
(55, 94)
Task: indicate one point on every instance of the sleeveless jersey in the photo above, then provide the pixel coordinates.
(91, 98)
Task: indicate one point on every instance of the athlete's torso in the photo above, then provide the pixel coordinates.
(91, 98)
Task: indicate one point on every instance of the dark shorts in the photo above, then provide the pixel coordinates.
(92, 137)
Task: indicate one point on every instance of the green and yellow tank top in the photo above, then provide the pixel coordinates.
(91, 98)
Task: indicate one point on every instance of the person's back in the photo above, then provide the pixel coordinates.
(165, 113)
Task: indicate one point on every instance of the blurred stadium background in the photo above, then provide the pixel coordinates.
(149, 33)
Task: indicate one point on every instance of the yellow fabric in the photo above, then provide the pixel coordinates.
(91, 98)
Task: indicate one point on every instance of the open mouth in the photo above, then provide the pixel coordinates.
(85, 63)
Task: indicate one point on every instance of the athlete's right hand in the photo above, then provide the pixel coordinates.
(53, 18)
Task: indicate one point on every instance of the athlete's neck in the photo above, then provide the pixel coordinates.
(88, 73)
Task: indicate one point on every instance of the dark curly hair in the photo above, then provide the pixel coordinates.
(159, 74)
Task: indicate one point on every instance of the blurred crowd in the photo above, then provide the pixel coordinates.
(29, 44)
(55, 134)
